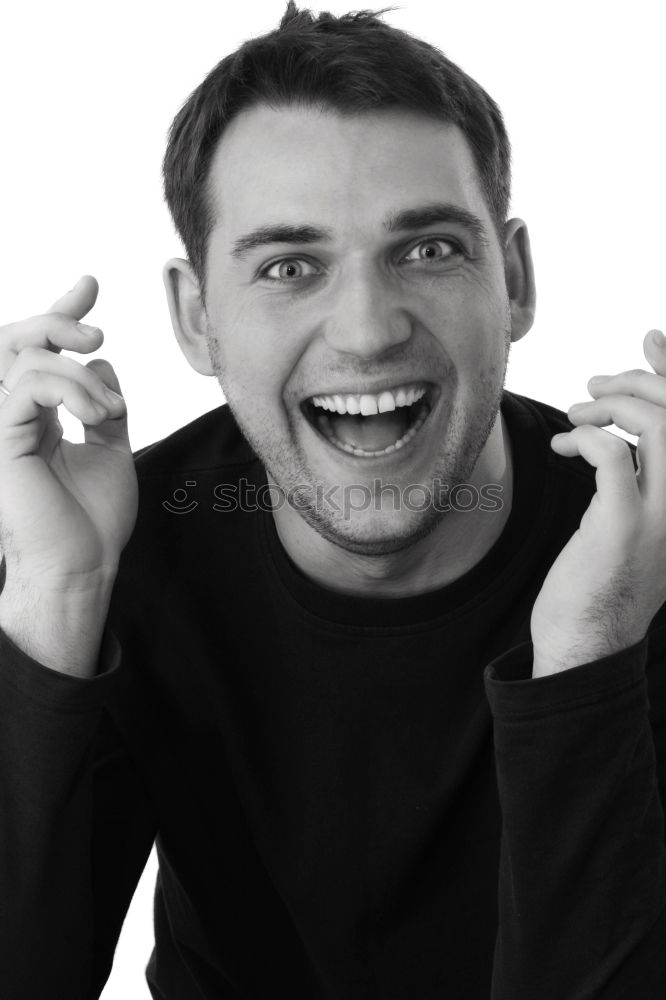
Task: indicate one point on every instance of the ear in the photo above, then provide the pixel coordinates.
(188, 313)
(519, 275)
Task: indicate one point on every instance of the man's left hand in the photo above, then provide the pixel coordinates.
(609, 581)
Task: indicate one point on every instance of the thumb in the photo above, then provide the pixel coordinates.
(113, 429)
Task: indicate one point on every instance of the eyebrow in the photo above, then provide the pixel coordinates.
(411, 218)
(435, 213)
(266, 235)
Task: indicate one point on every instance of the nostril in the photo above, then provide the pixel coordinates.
(368, 332)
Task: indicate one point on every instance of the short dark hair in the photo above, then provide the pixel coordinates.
(353, 63)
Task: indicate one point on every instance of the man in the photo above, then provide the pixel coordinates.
(392, 741)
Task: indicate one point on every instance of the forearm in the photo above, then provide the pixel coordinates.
(46, 808)
(582, 885)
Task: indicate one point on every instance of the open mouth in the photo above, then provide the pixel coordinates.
(370, 425)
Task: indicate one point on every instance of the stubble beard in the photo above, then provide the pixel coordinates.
(466, 440)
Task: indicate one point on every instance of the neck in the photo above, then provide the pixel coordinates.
(458, 543)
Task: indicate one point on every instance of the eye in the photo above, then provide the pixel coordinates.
(288, 269)
(433, 250)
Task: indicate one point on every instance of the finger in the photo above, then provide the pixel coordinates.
(647, 422)
(106, 373)
(52, 331)
(115, 427)
(610, 455)
(34, 391)
(655, 351)
(38, 359)
(633, 415)
(79, 300)
(637, 382)
(51, 436)
(651, 455)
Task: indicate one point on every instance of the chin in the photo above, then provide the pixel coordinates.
(374, 533)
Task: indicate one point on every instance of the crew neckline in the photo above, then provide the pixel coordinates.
(517, 543)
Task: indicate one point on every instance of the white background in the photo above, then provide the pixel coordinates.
(88, 90)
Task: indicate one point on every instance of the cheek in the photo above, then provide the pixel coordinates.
(275, 335)
(259, 348)
(469, 316)
(248, 347)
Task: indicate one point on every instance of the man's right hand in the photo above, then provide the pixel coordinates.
(66, 510)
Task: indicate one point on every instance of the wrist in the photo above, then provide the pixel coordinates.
(546, 662)
(60, 629)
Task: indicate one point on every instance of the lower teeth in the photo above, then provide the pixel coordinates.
(400, 443)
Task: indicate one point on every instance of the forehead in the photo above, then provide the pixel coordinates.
(301, 164)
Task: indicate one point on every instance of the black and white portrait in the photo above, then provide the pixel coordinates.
(332, 501)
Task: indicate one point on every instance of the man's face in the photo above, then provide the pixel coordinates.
(336, 279)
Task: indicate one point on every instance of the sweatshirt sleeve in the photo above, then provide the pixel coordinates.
(581, 777)
(76, 827)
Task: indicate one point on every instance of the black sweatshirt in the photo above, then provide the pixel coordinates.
(352, 797)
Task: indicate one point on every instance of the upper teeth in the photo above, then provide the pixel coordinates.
(368, 404)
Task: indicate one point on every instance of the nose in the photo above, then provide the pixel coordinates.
(367, 317)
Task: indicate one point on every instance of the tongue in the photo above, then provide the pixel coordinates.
(370, 433)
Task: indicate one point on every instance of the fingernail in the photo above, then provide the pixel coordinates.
(658, 338)
(599, 378)
(112, 396)
(84, 328)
